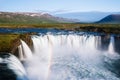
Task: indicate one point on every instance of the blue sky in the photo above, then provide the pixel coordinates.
(60, 5)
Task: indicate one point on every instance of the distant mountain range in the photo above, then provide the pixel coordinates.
(113, 19)
(86, 17)
(26, 17)
(78, 17)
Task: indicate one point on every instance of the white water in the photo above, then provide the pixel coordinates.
(111, 49)
(21, 56)
(13, 64)
(24, 51)
(67, 57)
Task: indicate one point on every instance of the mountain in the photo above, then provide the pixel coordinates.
(26, 17)
(113, 19)
(85, 16)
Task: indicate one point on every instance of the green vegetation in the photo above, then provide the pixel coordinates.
(10, 42)
(104, 28)
(6, 41)
(24, 19)
(29, 18)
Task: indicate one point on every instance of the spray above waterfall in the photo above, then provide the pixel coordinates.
(111, 49)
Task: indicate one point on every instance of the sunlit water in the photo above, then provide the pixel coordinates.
(69, 57)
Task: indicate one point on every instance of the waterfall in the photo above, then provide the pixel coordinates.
(11, 68)
(66, 57)
(111, 49)
(21, 56)
(24, 51)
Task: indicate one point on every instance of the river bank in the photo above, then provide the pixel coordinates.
(102, 28)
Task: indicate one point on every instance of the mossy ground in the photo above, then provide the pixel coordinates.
(6, 41)
(10, 42)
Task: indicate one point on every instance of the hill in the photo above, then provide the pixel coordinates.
(88, 17)
(111, 19)
(29, 18)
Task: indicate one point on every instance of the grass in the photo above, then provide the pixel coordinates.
(6, 41)
(44, 25)
(105, 28)
(10, 42)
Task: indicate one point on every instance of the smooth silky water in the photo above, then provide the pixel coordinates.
(11, 68)
(70, 56)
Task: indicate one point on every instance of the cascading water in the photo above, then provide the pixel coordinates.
(21, 56)
(24, 51)
(111, 49)
(11, 68)
(67, 57)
